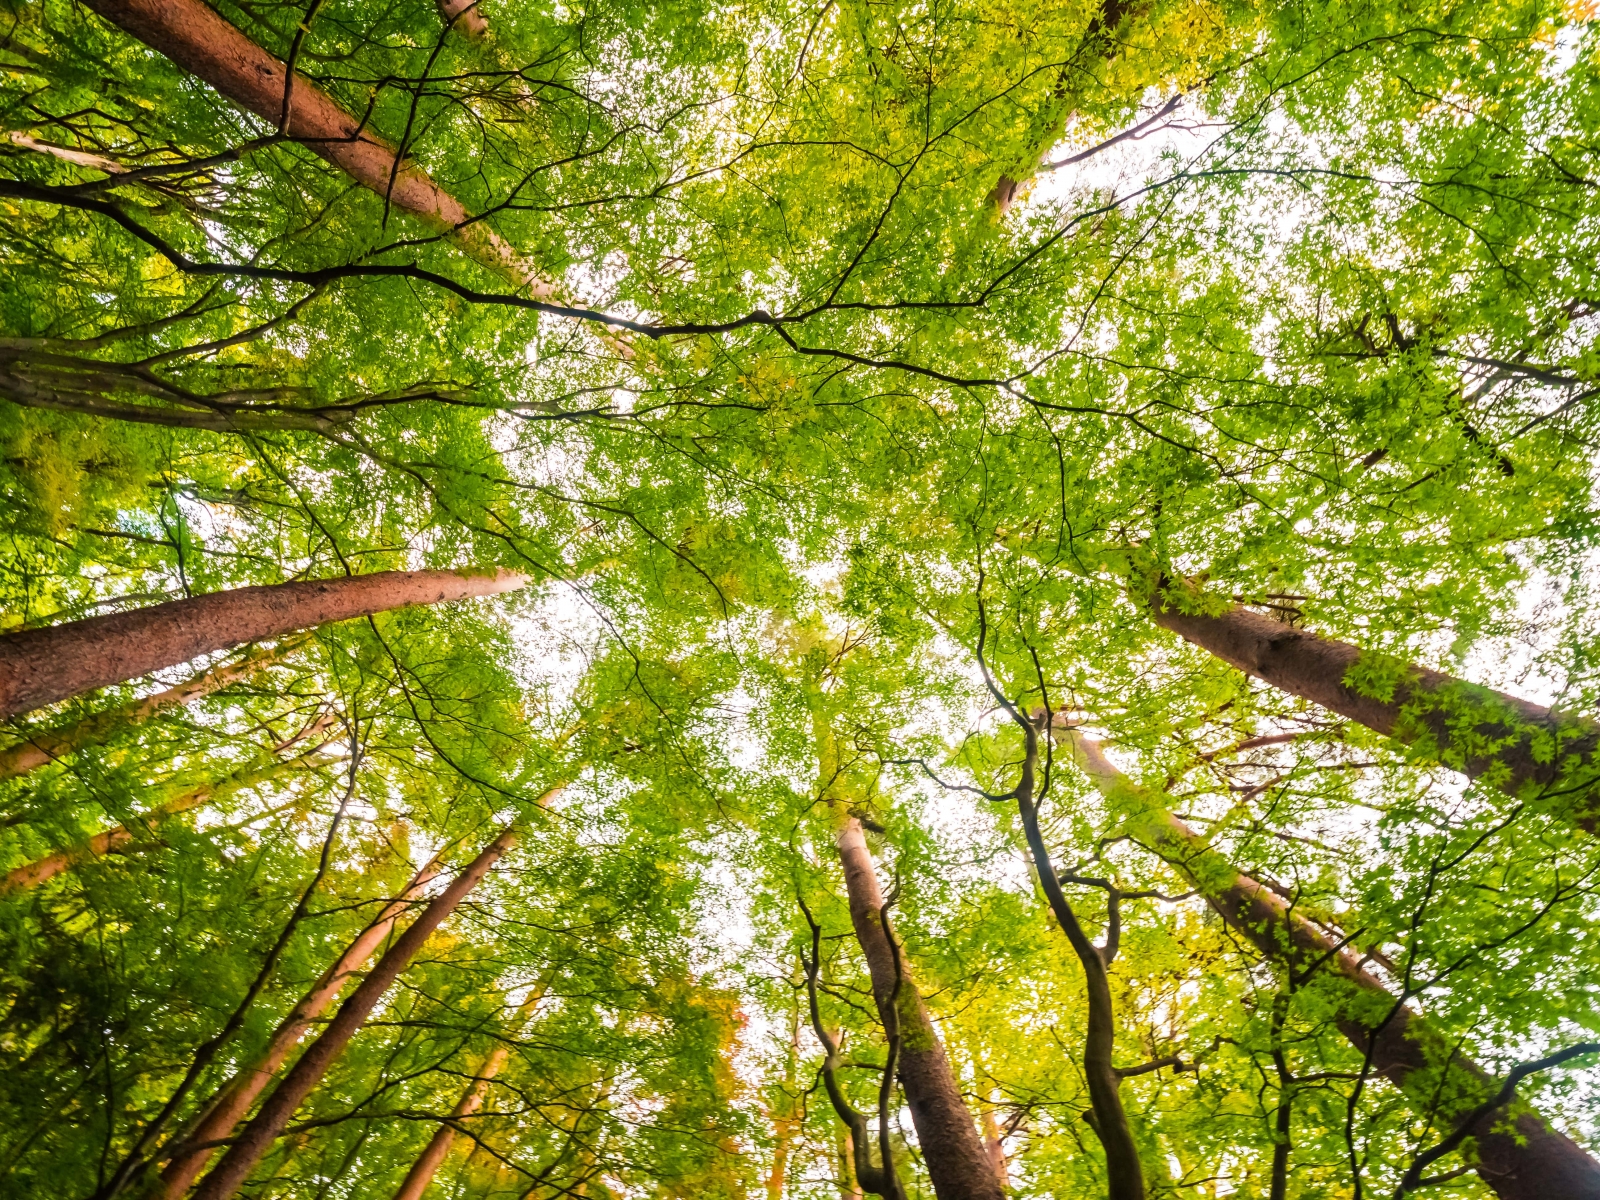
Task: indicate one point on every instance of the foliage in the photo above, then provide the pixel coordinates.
(883, 351)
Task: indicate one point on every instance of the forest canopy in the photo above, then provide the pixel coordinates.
(951, 599)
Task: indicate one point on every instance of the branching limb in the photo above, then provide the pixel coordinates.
(878, 1180)
(1464, 1128)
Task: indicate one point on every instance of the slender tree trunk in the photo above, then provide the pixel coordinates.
(268, 1124)
(43, 666)
(849, 1185)
(1283, 1126)
(228, 1107)
(1124, 1171)
(48, 745)
(203, 43)
(432, 1157)
(31, 875)
(1525, 750)
(995, 1148)
(957, 1162)
(1527, 1161)
(785, 1119)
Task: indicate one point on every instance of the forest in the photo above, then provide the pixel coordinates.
(799, 599)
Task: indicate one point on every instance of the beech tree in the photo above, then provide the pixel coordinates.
(1021, 577)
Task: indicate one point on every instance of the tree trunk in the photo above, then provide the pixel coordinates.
(957, 1162)
(1124, 1171)
(43, 666)
(200, 41)
(849, 1185)
(235, 1097)
(48, 745)
(1528, 1161)
(465, 18)
(432, 1157)
(995, 1148)
(786, 1115)
(268, 1124)
(1527, 751)
(31, 875)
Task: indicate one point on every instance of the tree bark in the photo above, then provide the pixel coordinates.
(849, 1185)
(995, 1147)
(268, 1124)
(48, 745)
(1530, 1160)
(786, 1116)
(1124, 1171)
(465, 18)
(31, 875)
(1525, 750)
(234, 1098)
(43, 666)
(200, 41)
(957, 1163)
(433, 1155)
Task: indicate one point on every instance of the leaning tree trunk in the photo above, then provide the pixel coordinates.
(31, 875)
(203, 43)
(43, 666)
(268, 1124)
(957, 1163)
(1529, 1160)
(234, 1098)
(1522, 748)
(433, 1155)
(48, 745)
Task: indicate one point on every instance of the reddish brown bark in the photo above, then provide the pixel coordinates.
(43, 666)
(958, 1165)
(1528, 1161)
(200, 41)
(785, 1111)
(268, 1124)
(465, 17)
(1522, 748)
(995, 1147)
(31, 875)
(48, 745)
(433, 1155)
(234, 1099)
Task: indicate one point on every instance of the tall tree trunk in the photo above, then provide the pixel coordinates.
(48, 745)
(200, 41)
(785, 1117)
(1102, 25)
(995, 1147)
(234, 1098)
(43, 666)
(957, 1162)
(1524, 749)
(464, 17)
(1527, 1161)
(433, 1155)
(849, 1185)
(268, 1124)
(31, 875)
(1124, 1171)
